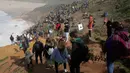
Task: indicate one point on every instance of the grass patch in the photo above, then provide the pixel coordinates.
(1, 60)
(123, 12)
(124, 68)
(30, 70)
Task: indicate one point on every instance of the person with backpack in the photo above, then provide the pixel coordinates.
(79, 52)
(12, 39)
(38, 50)
(117, 46)
(60, 55)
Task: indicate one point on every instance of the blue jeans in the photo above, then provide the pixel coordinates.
(110, 65)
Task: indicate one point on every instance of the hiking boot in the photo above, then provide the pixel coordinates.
(47, 67)
(51, 66)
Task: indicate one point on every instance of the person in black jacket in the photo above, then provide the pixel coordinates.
(12, 39)
(38, 49)
(78, 54)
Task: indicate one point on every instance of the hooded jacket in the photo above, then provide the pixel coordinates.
(78, 50)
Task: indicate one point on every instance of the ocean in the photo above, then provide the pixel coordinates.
(9, 26)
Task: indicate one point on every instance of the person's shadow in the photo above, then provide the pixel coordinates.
(37, 68)
(41, 68)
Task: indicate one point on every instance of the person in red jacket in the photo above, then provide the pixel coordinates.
(90, 25)
(58, 27)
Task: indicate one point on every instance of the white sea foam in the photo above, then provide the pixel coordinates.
(9, 26)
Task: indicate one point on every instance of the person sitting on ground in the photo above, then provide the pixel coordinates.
(60, 55)
(79, 52)
(38, 50)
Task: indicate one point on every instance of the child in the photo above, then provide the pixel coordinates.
(28, 59)
(60, 55)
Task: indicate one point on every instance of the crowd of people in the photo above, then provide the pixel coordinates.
(56, 52)
(58, 24)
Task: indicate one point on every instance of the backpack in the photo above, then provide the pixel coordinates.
(117, 46)
(37, 46)
(125, 44)
(83, 50)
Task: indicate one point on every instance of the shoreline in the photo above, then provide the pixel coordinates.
(38, 13)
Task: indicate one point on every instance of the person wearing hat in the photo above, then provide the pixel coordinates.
(105, 18)
(60, 55)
